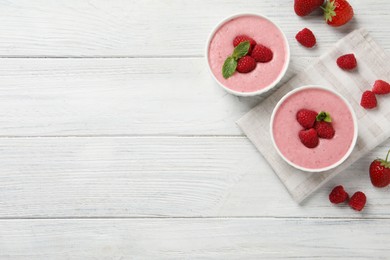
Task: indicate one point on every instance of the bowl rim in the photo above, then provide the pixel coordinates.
(260, 91)
(354, 119)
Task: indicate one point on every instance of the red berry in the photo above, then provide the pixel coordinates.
(338, 195)
(379, 175)
(246, 64)
(261, 53)
(347, 62)
(368, 100)
(324, 129)
(242, 38)
(309, 138)
(338, 12)
(380, 172)
(306, 38)
(305, 7)
(381, 87)
(358, 201)
(306, 118)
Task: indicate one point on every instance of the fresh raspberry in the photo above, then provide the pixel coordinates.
(381, 87)
(306, 118)
(368, 100)
(324, 129)
(358, 201)
(309, 138)
(347, 62)
(338, 195)
(242, 38)
(306, 38)
(305, 7)
(246, 64)
(261, 53)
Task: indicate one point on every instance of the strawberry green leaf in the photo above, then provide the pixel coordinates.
(229, 67)
(241, 50)
(329, 10)
(385, 163)
(324, 116)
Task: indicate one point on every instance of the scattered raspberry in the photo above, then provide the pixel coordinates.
(324, 129)
(309, 138)
(246, 64)
(262, 53)
(368, 100)
(338, 195)
(306, 38)
(347, 62)
(242, 38)
(306, 118)
(305, 7)
(358, 201)
(381, 87)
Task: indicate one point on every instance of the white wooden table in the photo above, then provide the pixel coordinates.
(116, 143)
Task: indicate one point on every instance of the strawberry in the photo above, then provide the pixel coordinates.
(380, 172)
(338, 195)
(261, 53)
(338, 12)
(306, 118)
(358, 201)
(347, 62)
(305, 7)
(242, 38)
(381, 87)
(309, 138)
(324, 129)
(368, 100)
(246, 64)
(306, 38)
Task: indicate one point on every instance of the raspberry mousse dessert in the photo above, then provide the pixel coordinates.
(314, 129)
(248, 54)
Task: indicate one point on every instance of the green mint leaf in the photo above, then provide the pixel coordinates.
(324, 116)
(229, 67)
(241, 50)
(230, 64)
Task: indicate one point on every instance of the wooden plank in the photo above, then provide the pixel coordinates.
(53, 97)
(147, 28)
(160, 176)
(194, 238)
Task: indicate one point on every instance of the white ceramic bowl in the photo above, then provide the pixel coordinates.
(355, 134)
(261, 91)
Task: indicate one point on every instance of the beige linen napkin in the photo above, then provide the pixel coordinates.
(374, 125)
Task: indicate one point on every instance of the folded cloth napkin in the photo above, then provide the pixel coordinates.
(374, 125)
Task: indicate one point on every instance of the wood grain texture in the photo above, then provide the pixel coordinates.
(152, 28)
(160, 177)
(116, 143)
(61, 97)
(194, 239)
